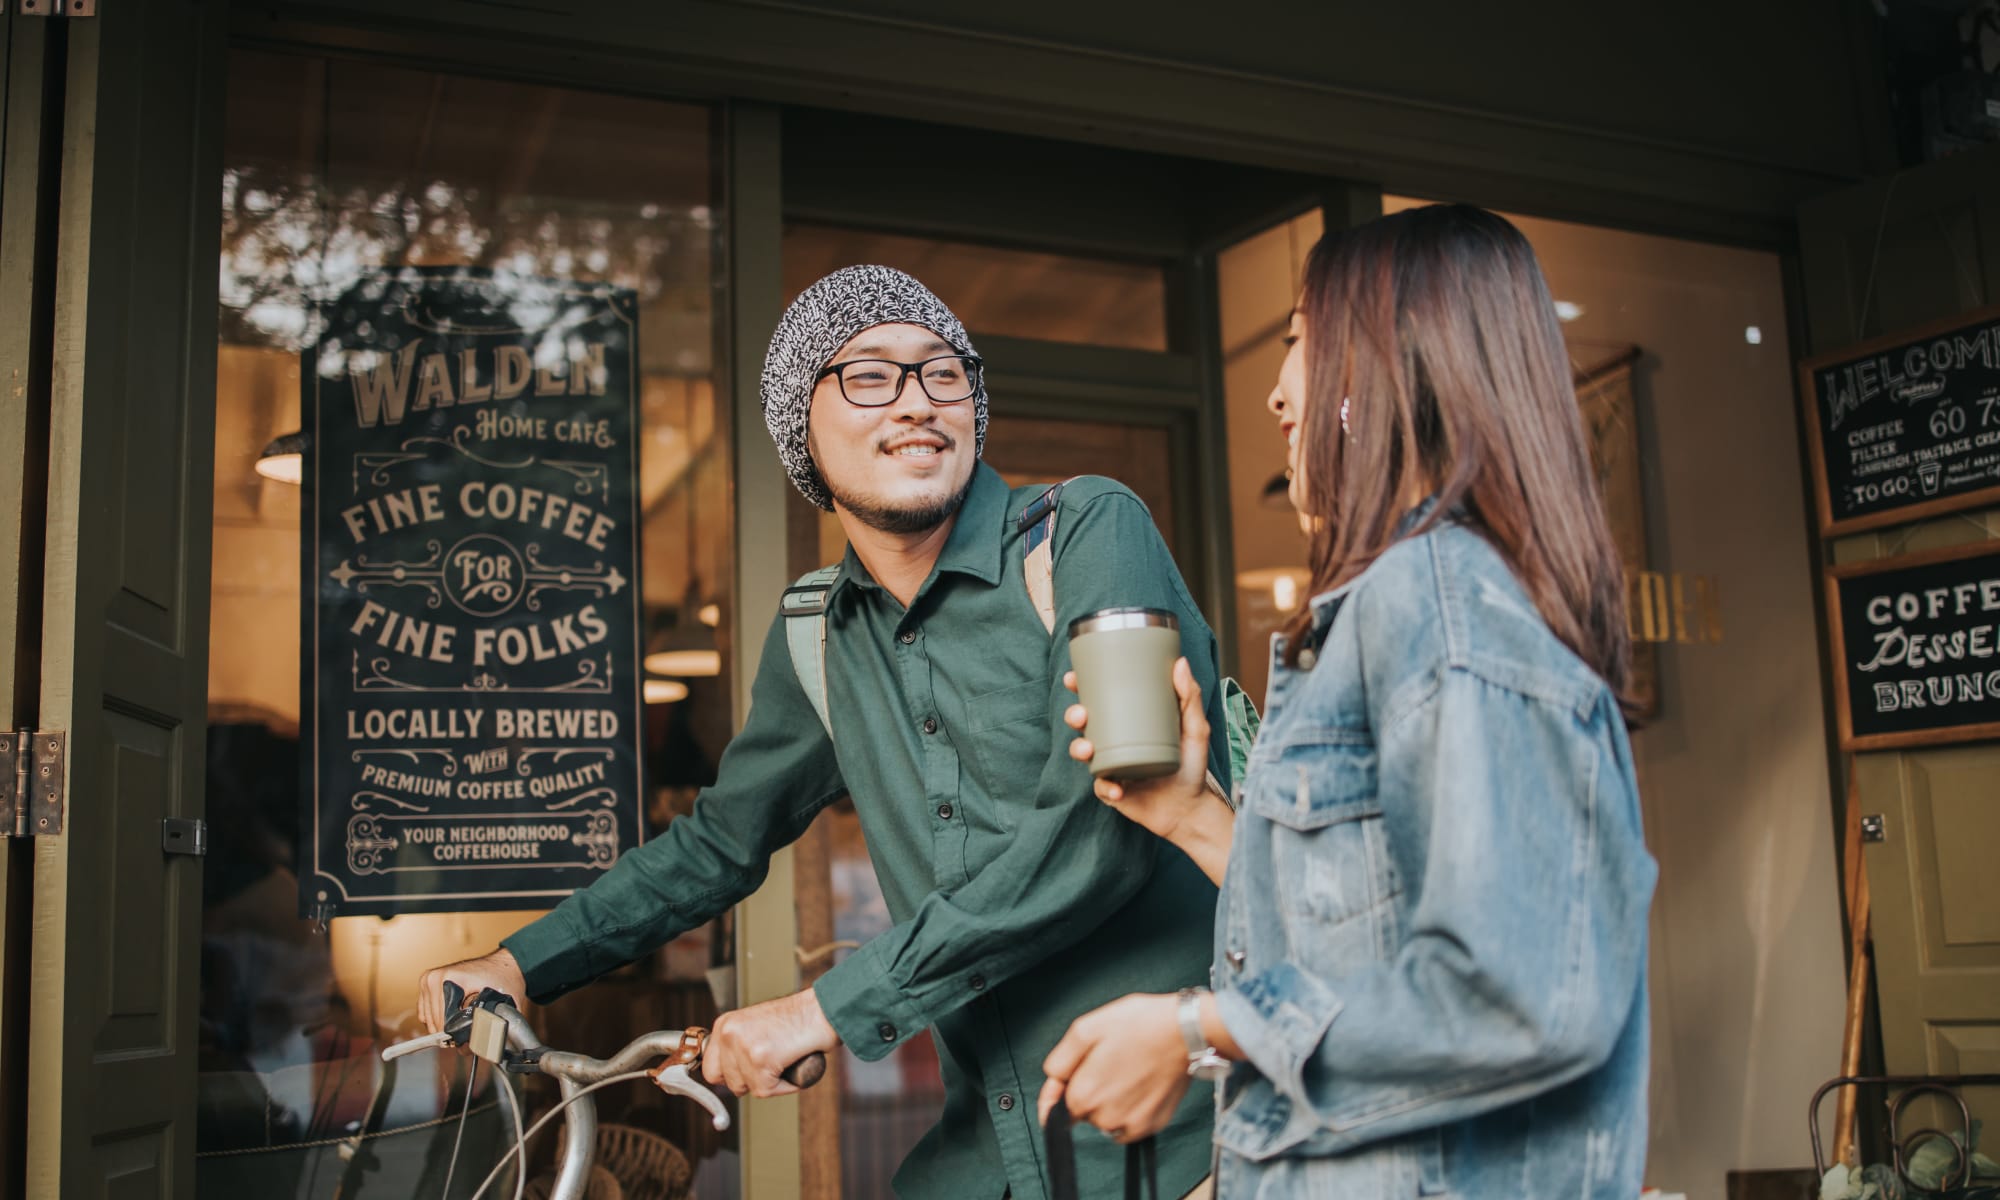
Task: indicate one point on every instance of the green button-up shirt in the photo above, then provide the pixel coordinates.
(1020, 901)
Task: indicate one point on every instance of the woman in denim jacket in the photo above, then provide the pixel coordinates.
(1430, 948)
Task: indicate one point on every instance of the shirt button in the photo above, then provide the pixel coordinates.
(944, 812)
(930, 724)
(907, 636)
(1006, 1102)
(978, 983)
(1236, 960)
(1306, 660)
(887, 1031)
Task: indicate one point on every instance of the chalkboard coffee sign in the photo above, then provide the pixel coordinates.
(1919, 645)
(470, 564)
(1907, 426)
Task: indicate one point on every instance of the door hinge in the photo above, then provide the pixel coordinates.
(58, 8)
(184, 835)
(32, 791)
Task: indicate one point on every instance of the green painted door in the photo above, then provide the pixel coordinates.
(1874, 260)
(113, 953)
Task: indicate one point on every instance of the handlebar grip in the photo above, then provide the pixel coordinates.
(805, 1072)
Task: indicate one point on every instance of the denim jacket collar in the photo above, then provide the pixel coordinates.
(1326, 605)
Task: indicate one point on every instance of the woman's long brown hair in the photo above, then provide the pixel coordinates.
(1435, 328)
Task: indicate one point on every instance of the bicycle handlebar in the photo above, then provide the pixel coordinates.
(680, 1048)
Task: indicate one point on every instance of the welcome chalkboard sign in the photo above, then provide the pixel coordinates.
(471, 705)
(1906, 426)
(1919, 644)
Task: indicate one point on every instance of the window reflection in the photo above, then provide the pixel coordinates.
(1000, 290)
(1258, 283)
(333, 170)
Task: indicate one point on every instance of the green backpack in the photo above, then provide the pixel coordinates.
(804, 610)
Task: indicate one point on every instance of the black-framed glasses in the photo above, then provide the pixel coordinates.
(873, 382)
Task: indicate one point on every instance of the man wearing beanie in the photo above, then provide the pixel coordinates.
(1020, 901)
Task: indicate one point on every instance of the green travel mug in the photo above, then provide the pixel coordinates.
(1124, 661)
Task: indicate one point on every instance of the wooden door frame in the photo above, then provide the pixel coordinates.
(767, 922)
(31, 59)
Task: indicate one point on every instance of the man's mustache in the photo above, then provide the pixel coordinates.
(950, 442)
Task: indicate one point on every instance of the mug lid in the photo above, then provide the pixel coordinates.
(1123, 618)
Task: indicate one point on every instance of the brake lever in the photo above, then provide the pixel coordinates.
(457, 1016)
(675, 1079)
(459, 1012)
(675, 1076)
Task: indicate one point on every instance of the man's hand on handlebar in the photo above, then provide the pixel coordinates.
(748, 1049)
(497, 970)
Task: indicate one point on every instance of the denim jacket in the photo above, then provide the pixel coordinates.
(1431, 940)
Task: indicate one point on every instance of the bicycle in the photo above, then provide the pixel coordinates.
(496, 1032)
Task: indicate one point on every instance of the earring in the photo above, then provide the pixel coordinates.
(1344, 402)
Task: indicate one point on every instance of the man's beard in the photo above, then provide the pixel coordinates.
(922, 518)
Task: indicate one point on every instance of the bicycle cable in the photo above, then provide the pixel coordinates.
(521, 1147)
(464, 1110)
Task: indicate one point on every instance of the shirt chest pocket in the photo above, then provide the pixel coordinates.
(1329, 858)
(1008, 732)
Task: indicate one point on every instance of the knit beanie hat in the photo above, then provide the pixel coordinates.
(816, 326)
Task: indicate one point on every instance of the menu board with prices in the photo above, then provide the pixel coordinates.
(1906, 427)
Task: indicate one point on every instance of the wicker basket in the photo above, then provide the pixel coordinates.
(603, 1185)
(648, 1166)
(644, 1165)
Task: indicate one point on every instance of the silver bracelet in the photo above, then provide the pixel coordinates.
(1203, 1061)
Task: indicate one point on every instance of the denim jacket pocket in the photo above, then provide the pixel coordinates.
(1326, 840)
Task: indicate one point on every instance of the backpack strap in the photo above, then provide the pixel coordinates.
(1038, 551)
(804, 609)
(1038, 573)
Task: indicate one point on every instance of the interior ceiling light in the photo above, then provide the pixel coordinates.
(688, 663)
(284, 459)
(665, 691)
(1568, 310)
(1282, 584)
(682, 642)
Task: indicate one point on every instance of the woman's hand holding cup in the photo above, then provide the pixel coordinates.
(1160, 804)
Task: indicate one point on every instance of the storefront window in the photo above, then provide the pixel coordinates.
(1002, 290)
(1258, 283)
(343, 182)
